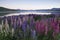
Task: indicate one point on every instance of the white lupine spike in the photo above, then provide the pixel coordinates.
(12, 31)
(6, 26)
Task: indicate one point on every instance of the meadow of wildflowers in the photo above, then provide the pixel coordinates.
(30, 27)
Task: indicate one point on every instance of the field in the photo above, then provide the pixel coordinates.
(30, 27)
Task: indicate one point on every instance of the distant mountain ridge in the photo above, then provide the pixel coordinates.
(3, 9)
(7, 9)
(56, 9)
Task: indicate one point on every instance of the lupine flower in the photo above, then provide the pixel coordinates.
(6, 26)
(33, 34)
(46, 27)
(59, 25)
(21, 16)
(24, 24)
(19, 22)
(12, 31)
(53, 24)
(40, 27)
(11, 20)
(15, 17)
(24, 27)
(55, 27)
(37, 25)
(31, 22)
(14, 24)
(27, 18)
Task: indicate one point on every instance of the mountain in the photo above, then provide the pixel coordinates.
(4, 11)
(7, 9)
(56, 9)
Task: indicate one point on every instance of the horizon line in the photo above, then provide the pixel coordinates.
(26, 8)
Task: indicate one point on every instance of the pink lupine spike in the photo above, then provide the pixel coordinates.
(37, 25)
(46, 28)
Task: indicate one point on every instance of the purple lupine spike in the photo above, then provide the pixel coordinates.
(24, 28)
(9, 17)
(33, 34)
(21, 16)
(16, 17)
(31, 22)
(19, 22)
(12, 21)
(24, 25)
(15, 24)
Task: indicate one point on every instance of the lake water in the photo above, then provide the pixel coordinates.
(27, 13)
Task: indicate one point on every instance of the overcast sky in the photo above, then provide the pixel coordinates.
(30, 4)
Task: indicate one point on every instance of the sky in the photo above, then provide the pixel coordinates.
(30, 4)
